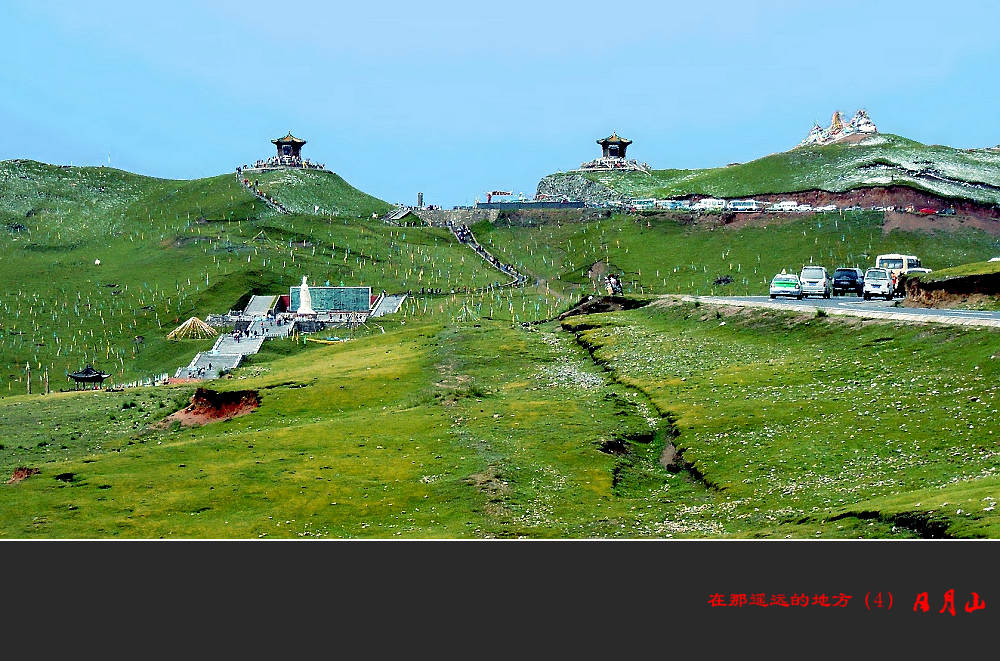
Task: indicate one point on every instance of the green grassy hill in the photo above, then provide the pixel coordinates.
(301, 191)
(668, 253)
(960, 271)
(810, 427)
(879, 160)
(171, 249)
(455, 417)
(488, 429)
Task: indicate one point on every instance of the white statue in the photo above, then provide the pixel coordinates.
(305, 299)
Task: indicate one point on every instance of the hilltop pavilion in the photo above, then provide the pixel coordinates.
(289, 155)
(289, 147)
(612, 157)
(614, 146)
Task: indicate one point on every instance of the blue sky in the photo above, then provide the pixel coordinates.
(456, 98)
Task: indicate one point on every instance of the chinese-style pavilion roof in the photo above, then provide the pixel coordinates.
(614, 137)
(88, 374)
(289, 138)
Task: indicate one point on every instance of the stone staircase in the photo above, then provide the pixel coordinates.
(228, 352)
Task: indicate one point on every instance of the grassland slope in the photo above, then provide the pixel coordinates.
(881, 160)
(823, 427)
(99, 264)
(318, 191)
(975, 285)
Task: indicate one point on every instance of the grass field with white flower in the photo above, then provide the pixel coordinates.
(881, 160)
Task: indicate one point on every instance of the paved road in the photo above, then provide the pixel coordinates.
(858, 307)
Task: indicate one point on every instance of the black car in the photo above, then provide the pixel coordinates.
(848, 280)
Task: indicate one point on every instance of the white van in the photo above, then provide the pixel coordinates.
(815, 281)
(897, 264)
(709, 204)
(784, 205)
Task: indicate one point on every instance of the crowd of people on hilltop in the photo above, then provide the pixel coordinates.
(286, 162)
(611, 163)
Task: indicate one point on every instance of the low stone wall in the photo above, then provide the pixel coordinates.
(441, 217)
(575, 186)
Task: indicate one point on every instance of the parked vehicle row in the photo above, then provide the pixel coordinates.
(756, 206)
(882, 280)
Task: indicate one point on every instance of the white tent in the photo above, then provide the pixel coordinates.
(192, 329)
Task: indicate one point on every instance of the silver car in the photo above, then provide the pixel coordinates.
(815, 281)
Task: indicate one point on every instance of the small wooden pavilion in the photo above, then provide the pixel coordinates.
(613, 146)
(87, 376)
(289, 147)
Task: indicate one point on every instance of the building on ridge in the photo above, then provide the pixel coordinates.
(613, 150)
(860, 125)
(289, 155)
(289, 148)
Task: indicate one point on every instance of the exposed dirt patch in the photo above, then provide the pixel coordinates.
(596, 304)
(490, 483)
(888, 196)
(944, 299)
(968, 291)
(212, 406)
(916, 222)
(968, 214)
(22, 473)
(597, 270)
(670, 458)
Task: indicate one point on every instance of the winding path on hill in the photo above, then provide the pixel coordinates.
(466, 237)
(256, 192)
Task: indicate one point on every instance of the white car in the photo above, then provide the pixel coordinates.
(994, 259)
(878, 282)
(786, 284)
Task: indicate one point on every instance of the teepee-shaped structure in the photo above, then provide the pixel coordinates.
(192, 329)
(467, 313)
